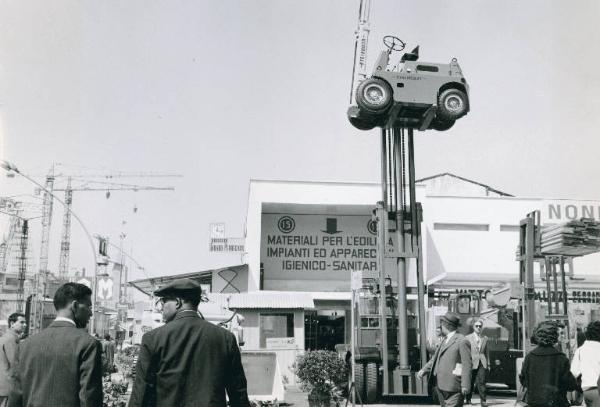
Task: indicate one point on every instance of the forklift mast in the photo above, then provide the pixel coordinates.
(390, 327)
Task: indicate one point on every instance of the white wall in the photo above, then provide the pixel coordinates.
(490, 252)
(446, 252)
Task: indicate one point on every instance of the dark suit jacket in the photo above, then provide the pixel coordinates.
(481, 355)
(60, 366)
(547, 376)
(442, 366)
(189, 362)
(8, 352)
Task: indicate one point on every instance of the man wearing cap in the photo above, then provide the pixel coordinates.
(451, 364)
(480, 356)
(188, 361)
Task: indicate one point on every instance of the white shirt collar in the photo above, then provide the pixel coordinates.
(450, 334)
(63, 319)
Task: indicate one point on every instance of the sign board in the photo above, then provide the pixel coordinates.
(318, 252)
(563, 210)
(281, 343)
(108, 286)
(217, 230)
(219, 243)
(265, 381)
(226, 245)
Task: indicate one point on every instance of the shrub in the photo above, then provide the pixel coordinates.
(321, 372)
(125, 360)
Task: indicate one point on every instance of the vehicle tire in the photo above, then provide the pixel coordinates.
(359, 380)
(441, 125)
(372, 377)
(452, 104)
(362, 124)
(374, 96)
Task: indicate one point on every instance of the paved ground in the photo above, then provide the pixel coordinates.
(296, 398)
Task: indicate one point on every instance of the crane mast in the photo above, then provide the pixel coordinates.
(46, 222)
(65, 243)
(359, 69)
(22, 264)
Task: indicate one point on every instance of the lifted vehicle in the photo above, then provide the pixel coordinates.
(412, 94)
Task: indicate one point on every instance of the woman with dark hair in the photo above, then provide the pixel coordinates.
(545, 372)
(586, 363)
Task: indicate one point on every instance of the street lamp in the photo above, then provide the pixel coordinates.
(12, 169)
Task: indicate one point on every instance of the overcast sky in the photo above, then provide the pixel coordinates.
(224, 91)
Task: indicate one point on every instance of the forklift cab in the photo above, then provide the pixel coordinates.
(369, 331)
(467, 306)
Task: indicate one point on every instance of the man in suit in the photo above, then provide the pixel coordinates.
(8, 352)
(480, 357)
(61, 365)
(450, 366)
(188, 361)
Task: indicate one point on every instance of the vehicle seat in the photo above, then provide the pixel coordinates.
(411, 56)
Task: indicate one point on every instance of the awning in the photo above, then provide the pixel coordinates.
(271, 300)
(148, 285)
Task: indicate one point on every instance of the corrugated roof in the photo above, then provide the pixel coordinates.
(332, 296)
(271, 300)
(148, 285)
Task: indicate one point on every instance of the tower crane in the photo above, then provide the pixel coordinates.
(18, 233)
(89, 186)
(48, 205)
(47, 209)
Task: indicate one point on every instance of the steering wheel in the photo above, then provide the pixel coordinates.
(393, 43)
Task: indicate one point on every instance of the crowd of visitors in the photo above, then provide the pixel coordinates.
(188, 361)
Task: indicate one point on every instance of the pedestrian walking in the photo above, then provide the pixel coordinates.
(8, 352)
(61, 365)
(108, 348)
(436, 341)
(545, 372)
(480, 357)
(450, 367)
(188, 361)
(586, 363)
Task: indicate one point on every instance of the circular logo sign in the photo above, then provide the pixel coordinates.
(286, 224)
(372, 227)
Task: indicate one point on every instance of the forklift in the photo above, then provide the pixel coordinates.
(388, 317)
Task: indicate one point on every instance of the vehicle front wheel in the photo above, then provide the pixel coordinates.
(371, 373)
(452, 104)
(359, 380)
(374, 96)
(362, 124)
(441, 125)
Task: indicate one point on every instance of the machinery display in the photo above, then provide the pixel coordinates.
(410, 94)
(500, 325)
(389, 317)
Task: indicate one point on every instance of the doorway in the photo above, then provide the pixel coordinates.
(323, 329)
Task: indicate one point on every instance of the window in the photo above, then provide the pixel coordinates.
(427, 68)
(276, 325)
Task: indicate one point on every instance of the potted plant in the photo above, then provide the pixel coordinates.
(320, 374)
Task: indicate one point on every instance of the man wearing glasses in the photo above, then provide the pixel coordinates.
(481, 361)
(188, 361)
